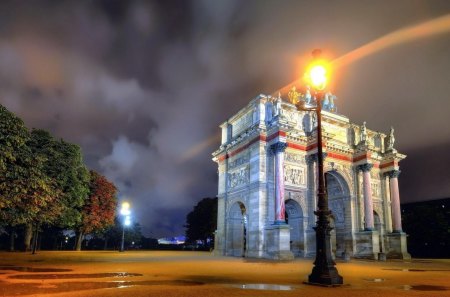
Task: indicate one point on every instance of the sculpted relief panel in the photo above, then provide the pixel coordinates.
(294, 175)
(239, 177)
(375, 189)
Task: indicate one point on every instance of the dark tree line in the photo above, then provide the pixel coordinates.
(44, 184)
(427, 224)
(201, 222)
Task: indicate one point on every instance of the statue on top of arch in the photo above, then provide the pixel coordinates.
(390, 140)
(327, 102)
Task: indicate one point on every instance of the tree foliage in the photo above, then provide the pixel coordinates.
(25, 190)
(44, 182)
(201, 222)
(100, 208)
(64, 165)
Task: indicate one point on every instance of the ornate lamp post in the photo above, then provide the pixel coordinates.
(126, 221)
(324, 271)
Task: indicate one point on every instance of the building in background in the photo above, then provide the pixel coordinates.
(268, 156)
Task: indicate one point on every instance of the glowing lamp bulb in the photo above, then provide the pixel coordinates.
(318, 76)
(127, 221)
(125, 209)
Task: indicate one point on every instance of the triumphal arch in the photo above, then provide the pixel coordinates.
(268, 156)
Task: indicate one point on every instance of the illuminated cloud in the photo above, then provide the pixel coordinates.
(143, 86)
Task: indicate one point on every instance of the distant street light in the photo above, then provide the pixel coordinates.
(126, 221)
(324, 271)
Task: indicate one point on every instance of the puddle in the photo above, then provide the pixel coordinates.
(415, 270)
(72, 276)
(424, 288)
(212, 279)
(266, 287)
(22, 289)
(33, 269)
(375, 280)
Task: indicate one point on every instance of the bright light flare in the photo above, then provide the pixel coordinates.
(317, 75)
(125, 209)
(127, 221)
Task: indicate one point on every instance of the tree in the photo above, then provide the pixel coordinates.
(100, 207)
(25, 190)
(201, 222)
(65, 166)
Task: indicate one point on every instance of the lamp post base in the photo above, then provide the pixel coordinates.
(325, 276)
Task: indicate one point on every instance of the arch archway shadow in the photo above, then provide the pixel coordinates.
(338, 201)
(237, 230)
(295, 220)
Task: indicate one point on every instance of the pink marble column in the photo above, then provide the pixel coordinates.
(395, 201)
(312, 185)
(367, 190)
(278, 150)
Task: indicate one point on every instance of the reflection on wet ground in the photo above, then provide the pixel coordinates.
(71, 276)
(212, 279)
(425, 288)
(32, 269)
(38, 288)
(415, 270)
(375, 280)
(237, 283)
(267, 287)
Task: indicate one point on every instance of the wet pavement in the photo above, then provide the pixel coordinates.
(32, 269)
(74, 275)
(201, 274)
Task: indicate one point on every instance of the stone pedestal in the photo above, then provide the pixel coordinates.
(396, 246)
(367, 245)
(218, 245)
(278, 242)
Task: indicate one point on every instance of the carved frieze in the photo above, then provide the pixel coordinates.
(375, 189)
(238, 162)
(294, 175)
(239, 177)
(290, 115)
(294, 158)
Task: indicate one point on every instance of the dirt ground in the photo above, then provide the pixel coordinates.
(156, 273)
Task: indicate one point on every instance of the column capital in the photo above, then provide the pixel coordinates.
(313, 158)
(393, 173)
(278, 147)
(364, 167)
(310, 159)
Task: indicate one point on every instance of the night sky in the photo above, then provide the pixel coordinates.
(142, 86)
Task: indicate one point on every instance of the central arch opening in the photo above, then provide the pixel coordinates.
(294, 217)
(237, 230)
(338, 195)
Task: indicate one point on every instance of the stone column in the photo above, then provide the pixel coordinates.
(278, 150)
(312, 187)
(395, 201)
(368, 203)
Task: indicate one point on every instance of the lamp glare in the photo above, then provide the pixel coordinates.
(318, 76)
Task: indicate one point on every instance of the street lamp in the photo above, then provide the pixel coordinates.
(324, 271)
(126, 221)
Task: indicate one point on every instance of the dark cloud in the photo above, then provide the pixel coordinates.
(142, 86)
